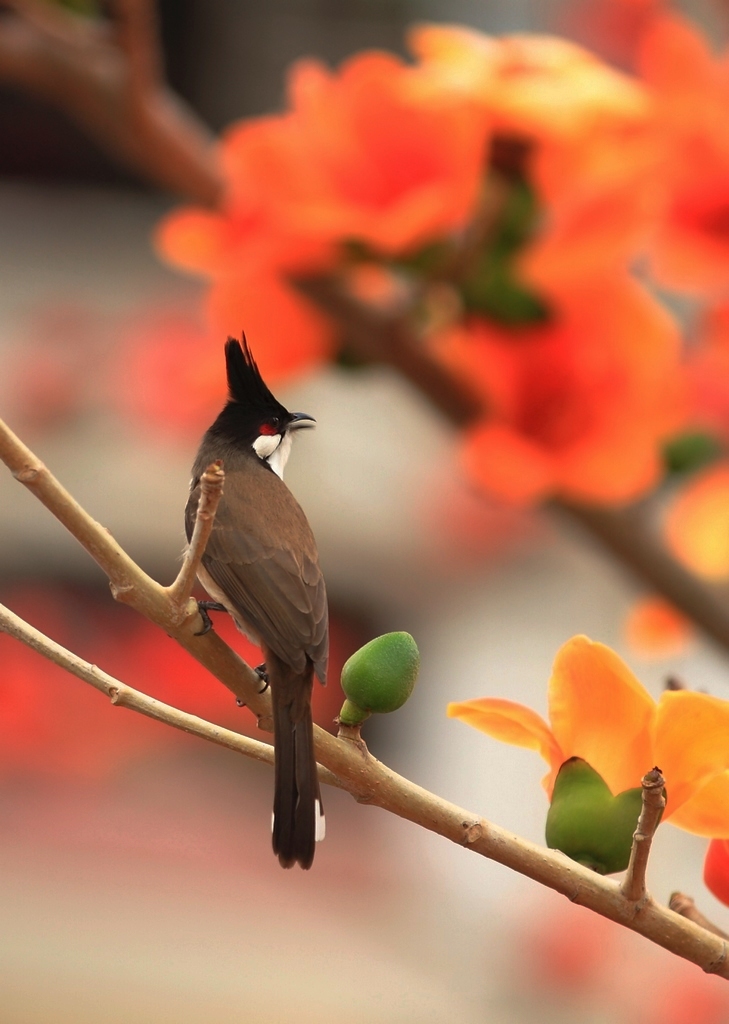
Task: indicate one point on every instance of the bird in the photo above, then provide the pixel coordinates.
(261, 565)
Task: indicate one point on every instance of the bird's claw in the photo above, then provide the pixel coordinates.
(262, 674)
(204, 607)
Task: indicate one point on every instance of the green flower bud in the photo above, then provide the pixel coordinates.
(379, 677)
(588, 823)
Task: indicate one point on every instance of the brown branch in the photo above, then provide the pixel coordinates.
(626, 533)
(211, 491)
(654, 802)
(366, 778)
(137, 32)
(685, 906)
(112, 87)
(376, 336)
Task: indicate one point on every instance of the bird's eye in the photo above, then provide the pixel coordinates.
(270, 428)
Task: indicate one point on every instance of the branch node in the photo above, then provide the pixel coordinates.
(473, 832)
(114, 694)
(716, 966)
(28, 474)
(121, 592)
(351, 734)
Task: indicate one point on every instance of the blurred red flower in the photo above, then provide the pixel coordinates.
(716, 869)
(169, 372)
(51, 723)
(577, 406)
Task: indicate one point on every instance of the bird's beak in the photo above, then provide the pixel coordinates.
(297, 420)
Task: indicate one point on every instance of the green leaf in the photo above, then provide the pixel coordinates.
(690, 451)
(493, 289)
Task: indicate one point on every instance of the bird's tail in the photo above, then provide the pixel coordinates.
(298, 815)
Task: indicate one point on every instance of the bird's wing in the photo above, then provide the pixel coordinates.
(267, 566)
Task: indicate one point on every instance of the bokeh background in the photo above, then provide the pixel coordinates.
(136, 879)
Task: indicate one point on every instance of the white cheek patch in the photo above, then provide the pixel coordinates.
(278, 459)
(266, 444)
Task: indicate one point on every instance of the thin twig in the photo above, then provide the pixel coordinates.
(211, 491)
(129, 584)
(125, 696)
(685, 906)
(654, 802)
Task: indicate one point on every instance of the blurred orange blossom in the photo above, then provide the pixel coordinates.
(697, 523)
(598, 711)
(655, 628)
(691, 89)
(707, 370)
(576, 406)
(360, 155)
(590, 127)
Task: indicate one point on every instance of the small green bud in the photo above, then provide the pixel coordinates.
(379, 677)
(587, 822)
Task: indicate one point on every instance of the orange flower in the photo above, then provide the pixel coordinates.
(363, 155)
(532, 85)
(360, 155)
(708, 372)
(589, 133)
(247, 262)
(691, 87)
(590, 125)
(598, 711)
(577, 406)
(654, 628)
(697, 523)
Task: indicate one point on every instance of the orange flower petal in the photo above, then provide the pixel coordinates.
(691, 743)
(675, 60)
(193, 239)
(287, 332)
(706, 813)
(512, 723)
(600, 712)
(506, 464)
(655, 628)
(697, 523)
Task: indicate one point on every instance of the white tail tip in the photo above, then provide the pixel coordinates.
(320, 827)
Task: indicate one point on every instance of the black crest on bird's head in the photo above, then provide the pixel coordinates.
(246, 386)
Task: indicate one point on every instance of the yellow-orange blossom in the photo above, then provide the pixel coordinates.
(600, 712)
